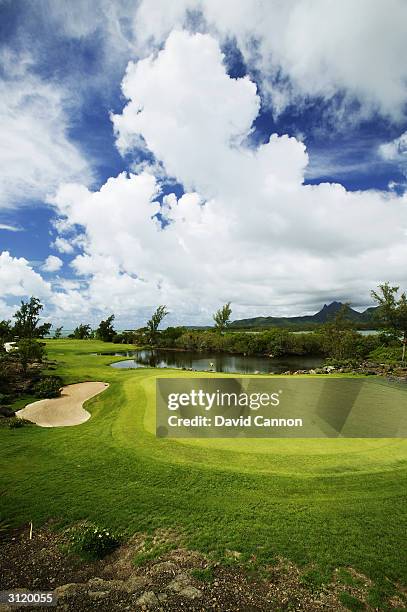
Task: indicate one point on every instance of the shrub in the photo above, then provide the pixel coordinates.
(12, 422)
(50, 386)
(126, 337)
(6, 412)
(29, 351)
(91, 541)
(16, 423)
(386, 354)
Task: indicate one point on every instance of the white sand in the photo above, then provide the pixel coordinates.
(65, 410)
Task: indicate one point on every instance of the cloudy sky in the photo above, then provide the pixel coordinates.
(195, 152)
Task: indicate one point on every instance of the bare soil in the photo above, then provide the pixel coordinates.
(177, 580)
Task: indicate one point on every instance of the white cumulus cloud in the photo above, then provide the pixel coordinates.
(396, 149)
(52, 264)
(18, 279)
(303, 47)
(246, 230)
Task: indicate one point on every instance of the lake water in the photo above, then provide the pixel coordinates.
(218, 362)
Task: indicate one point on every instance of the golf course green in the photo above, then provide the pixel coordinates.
(325, 503)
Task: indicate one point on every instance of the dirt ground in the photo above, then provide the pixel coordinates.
(177, 580)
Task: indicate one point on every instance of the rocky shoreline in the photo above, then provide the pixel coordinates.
(366, 368)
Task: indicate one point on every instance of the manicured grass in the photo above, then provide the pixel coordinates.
(327, 502)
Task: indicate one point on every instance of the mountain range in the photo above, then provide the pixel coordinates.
(328, 311)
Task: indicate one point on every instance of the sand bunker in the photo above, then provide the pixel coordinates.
(65, 410)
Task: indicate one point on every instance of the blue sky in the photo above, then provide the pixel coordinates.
(232, 79)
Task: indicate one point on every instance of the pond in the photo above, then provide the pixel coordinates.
(217, 362)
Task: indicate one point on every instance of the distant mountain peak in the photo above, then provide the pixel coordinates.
(326, 313)
(332, 306)
(328, 310)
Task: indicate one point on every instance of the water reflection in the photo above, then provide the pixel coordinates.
(216, 362)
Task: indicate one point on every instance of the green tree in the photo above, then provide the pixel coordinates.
(6, 331)
(82, 332)
(28, 318)
(170, 336)
(154, 323)
(105, 331)
(28, 351)
(392, 312)
(339, 339)
(58, 332)
(222, 318)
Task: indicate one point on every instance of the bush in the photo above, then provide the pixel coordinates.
(16, 423)
(29, 351)
(6, 412)
(91, 541)
(126, 337)
(387, 354)
(47, 387)
(13, 422)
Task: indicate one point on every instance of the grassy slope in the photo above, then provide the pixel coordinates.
(328, 502)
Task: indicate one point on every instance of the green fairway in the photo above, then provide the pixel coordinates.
(328, 502)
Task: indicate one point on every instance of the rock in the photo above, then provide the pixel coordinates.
(181, 581)
(148, 599)
(98, 594)
(182, 585)
(163, 566)
(191, 592)
(128, 586)
(134, 583)
(68, 590)
(99, 584)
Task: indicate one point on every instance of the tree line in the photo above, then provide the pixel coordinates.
(336, 339)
